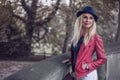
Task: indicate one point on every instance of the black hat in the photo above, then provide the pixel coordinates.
(88, 9)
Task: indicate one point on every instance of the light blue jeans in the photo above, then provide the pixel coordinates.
(91, 76)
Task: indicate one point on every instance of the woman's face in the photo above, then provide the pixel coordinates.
(87, 20)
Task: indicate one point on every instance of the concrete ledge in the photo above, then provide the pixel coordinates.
(49, 69)
(113, 67)
(53, 69)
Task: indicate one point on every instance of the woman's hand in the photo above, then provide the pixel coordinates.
(85, 66)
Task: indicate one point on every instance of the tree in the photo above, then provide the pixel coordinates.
(32, 20)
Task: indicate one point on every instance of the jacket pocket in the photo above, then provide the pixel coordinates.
(79, 68)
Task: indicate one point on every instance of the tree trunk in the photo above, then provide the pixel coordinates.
(68, 22)
(118, 30)
(66, 35)
(68, 30)
(29, 25)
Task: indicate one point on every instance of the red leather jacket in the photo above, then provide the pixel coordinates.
(85, 55)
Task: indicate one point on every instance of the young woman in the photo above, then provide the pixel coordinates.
(85, 42)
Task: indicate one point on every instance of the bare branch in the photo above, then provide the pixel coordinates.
(33, 9)
(51, 15)
(25, 6)
(20, 18)
(34, 4)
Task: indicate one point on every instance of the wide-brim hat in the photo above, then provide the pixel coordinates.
(87, 9)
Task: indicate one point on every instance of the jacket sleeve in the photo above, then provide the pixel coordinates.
(101, 58)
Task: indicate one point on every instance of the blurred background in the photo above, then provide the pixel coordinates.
(45, 27)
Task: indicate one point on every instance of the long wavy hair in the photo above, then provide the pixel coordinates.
(78, 31)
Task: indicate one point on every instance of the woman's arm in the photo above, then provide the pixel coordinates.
(99, 48)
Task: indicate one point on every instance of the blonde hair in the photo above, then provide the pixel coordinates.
(78, 32)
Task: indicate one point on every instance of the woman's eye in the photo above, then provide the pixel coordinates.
(85, 17)
(91, 18)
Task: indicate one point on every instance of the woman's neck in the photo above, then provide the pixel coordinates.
(84, 31)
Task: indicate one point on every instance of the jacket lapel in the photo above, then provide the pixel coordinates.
(84, 48)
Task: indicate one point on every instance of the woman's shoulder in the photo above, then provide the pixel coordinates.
(97, 37)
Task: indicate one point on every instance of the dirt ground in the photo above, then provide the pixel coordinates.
(10, 67)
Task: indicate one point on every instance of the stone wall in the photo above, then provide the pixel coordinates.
(53, 69)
